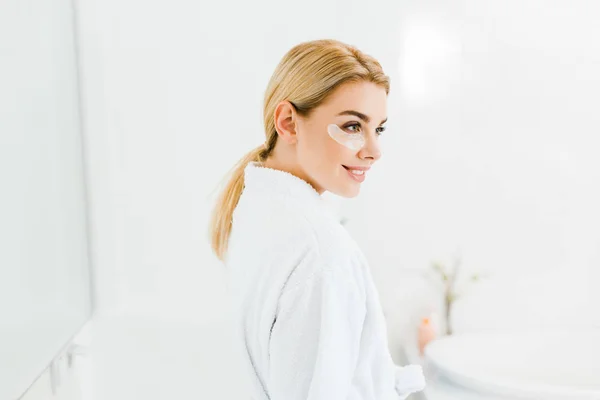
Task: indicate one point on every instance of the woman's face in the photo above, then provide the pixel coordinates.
(340, 138)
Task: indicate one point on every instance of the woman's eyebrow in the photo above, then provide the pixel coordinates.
(360, 115)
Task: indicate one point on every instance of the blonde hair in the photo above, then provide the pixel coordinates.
(306, 75)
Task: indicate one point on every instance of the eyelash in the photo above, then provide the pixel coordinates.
(379, 130)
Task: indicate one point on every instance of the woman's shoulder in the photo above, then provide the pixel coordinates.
(285, 232)
(327, 255)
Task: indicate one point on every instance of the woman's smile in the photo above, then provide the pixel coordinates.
(357, 173)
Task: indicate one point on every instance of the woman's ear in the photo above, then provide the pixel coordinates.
(285, 122)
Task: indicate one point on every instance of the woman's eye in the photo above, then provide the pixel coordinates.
(353, 128)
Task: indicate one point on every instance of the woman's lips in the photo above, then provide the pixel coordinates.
(356, 173)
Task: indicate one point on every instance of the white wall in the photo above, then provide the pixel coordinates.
(489, 148)
(44, 261)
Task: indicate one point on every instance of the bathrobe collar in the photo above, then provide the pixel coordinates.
(260, 179)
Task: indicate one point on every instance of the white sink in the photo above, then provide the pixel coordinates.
(531, 365)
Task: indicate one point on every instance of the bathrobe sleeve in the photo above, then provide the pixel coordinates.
(409, 379)
(315, 340)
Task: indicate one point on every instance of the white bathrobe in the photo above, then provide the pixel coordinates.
(308, 320)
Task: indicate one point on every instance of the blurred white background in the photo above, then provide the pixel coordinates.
(490, 153)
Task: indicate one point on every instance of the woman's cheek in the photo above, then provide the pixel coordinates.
(336, 151)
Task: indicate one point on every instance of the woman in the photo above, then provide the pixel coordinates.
(307, 314)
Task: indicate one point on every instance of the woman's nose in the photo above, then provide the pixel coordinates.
(371, 149)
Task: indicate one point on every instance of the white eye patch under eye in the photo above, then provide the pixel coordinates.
(353, 141)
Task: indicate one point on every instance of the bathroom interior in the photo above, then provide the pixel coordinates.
(481, 221)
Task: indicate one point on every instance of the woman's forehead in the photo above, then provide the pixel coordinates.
(364, 98)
